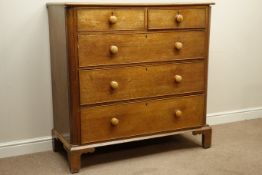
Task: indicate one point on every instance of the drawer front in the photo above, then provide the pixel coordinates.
(110, 19)
(106, 85)
(176, 18)
(103, 123)
(97, 50)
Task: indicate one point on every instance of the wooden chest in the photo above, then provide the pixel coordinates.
(127, 72)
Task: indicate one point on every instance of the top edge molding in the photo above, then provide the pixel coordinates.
(105, 4)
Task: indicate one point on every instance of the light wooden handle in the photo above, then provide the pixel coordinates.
(178, 78)
(178, 45)
(113, 49)
(178, 113)
(114, 121)
(112, 19)
(179, 18)
(114, 84)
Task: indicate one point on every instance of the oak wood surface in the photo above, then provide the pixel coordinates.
(98, 19)
(208, 24)
(59, 69)
(207, 138)
(206, 133)
(77, 151)
(94, 49)
(73, 76)
(151, 83)
(140, 118)
(166, 18)
(139, 81)
(74, 160)
(129, 4)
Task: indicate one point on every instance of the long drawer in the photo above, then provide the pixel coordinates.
(109, 49)
(103, 123)
(123, 83)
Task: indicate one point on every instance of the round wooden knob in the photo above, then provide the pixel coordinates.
(114, 121)
(178, 45)
(112, 19)
(114, 84)
(178, 78)
(113, 49)
(178, 113)
(179, 18)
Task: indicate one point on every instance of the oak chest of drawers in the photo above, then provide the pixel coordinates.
(127, 72)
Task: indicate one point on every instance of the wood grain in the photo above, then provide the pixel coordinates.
(74, 159)
(140, 118)
(125, 4)
(94, 50)
(142, 75)
(208, 23)
(166, 18)
(98, 19)
(139, 82)
(206, 133)
(73, 76)
(59, 69)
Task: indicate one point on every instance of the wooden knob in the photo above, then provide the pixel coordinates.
(114, 121)
(179, 18)
(112, 19)
(178, 45)
(114, 84)
(178, 78)
(113, 49)
(178, 113)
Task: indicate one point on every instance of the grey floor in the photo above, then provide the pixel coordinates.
(236, 150)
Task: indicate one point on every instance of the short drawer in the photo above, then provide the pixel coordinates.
(176, 18)
(103, 123)
(124, 83)
(110, 19)
(110, 49)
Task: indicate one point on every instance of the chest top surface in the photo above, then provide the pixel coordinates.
(140, 3)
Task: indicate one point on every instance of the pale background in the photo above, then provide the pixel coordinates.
(235, 70)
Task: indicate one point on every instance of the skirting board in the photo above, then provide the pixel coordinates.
(40, 144)
(26, 146)
(234, 116)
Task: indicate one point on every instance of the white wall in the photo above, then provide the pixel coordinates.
(235, 70)
(25, 85)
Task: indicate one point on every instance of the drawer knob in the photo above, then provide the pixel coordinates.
(178, 113)
(178, 45)
(114, 121)
(178, 78)
(112, 19)
(179, 18)
(114, 84)
(113, 49)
